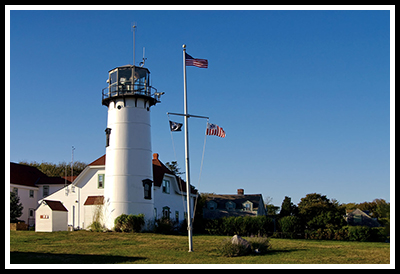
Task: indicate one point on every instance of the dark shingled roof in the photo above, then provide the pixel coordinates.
(94, 200)
(55, 205)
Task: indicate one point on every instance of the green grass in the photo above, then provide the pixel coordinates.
(83, 247)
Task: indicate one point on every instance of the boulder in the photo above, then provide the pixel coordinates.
(240, 241)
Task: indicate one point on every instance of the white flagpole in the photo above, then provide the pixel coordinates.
(189, 219)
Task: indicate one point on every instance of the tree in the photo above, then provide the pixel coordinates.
(317, 211)
(271, 209)
(57, 170)
(15, 208)
(288, 208)
(173, 166)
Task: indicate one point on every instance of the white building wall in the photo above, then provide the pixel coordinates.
(86, 184)
(174, 200)
(128, 159)
(44, 224)
(60, 220)
(27, 202)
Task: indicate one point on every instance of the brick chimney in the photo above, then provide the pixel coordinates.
(240, 191)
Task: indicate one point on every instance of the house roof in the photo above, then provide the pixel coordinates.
(94, 200)
(55, 205)
(221, 200)
(221, 209)
(159, 170)
(99, 161)
(31, 176)
(365, 219)
(25, 175)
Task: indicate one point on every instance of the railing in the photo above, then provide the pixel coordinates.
(128, 89)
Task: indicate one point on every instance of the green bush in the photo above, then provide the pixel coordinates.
(247, 225)
(259, 245)
(129, 223)
(228, 249)
(167, 226)
(367, 234)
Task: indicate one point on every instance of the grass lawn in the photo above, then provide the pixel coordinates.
(83, 247)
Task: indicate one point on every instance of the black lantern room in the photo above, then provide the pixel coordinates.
(129, 81)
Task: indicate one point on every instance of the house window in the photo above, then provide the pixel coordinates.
(147, 188)
(31, 193)
(45, 191)
(230, 205)
(31, 212)
(166, 212)
(165, 186)
(211, 205)
(177, 216)
(248, 206)
(100, 181)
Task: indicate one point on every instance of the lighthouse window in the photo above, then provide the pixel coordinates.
(108, 131)
(147, 188)
(165, 186)
(113, 81)
(125, 76)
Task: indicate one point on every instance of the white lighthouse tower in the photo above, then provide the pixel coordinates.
(128, 187)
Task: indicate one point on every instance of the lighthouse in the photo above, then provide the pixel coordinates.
(128, 183)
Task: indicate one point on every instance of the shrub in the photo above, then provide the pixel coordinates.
(247, 225)
(359, 233)
(166, 226)
(228, 249)
(97, 222)
(129, 223)
(259, 245)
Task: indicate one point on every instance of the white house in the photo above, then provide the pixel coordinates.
(86, 193)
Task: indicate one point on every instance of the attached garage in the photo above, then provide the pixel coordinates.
(51, 216)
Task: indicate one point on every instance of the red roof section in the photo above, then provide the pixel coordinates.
(31, 176)
(25, 175)
(94, 200)
(55, 205)
(99, 162)
(159, 169)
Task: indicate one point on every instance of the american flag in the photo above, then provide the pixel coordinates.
(213, 129)
(200, 63)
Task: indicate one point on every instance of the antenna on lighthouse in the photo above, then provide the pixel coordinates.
(134, 34)
(144, 59)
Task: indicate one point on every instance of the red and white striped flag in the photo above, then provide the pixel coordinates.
(196, 62)
(213, 129)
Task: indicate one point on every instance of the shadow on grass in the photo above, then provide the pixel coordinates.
(280, 251)
(50, 258)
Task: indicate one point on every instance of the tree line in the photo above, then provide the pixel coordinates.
(57, 170)
(314, 217)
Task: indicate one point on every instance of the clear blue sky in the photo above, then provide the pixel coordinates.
(304, 96)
